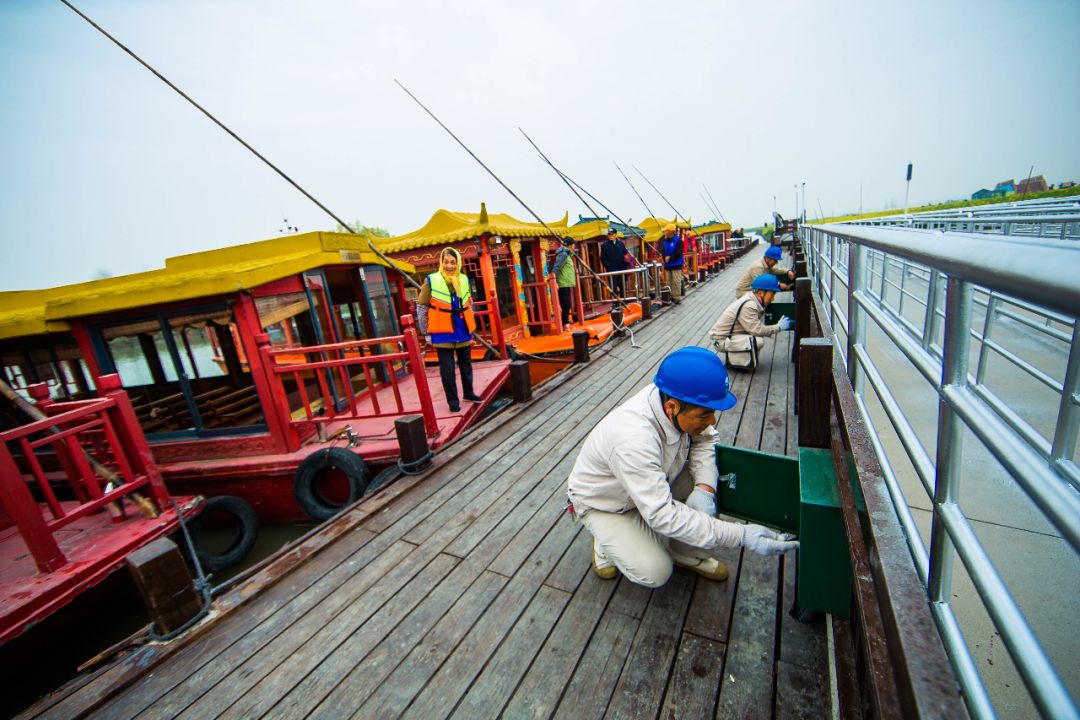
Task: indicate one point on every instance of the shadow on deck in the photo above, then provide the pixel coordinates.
(468, 592)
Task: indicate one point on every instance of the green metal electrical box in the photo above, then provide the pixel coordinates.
(776, 309)
(796, 496)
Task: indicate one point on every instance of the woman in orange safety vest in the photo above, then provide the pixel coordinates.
(444, 311)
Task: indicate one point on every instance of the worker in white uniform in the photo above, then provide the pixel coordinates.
(768, 264)
(740, 331)
(644, 483)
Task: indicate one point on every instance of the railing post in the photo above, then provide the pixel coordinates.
(279, 402)
(496, 324)
(948, 462)
(814, 392)
(1068, 420)
(23, 511)
(556, 308)
(856, 325)
(930, 318)
(416, 360)
(133, 440)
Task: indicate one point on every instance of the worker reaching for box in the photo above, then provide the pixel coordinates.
(644, 483)
(740, 329)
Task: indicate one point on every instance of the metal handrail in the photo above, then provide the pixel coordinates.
(849, 266)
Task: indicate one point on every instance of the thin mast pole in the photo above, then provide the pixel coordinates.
(677, 213)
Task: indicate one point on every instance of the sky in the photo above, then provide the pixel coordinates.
(107, 171)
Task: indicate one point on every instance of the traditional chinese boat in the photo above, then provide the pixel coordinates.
(251, 368)
(507, 260)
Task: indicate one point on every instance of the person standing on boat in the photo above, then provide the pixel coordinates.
(767, 264)
(565, 276)
(740, 330)
(444, 310)
(644, 483)
(613, 258)
(672, 250)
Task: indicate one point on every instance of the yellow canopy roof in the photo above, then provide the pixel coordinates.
(22, 313)
(591, 229)
(186, 277)
(654, 227)
(446, 227)
(712, 227)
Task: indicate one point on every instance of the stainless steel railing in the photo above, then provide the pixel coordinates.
(1045, 217)
(914, 293)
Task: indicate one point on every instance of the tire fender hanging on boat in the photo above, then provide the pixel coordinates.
(242, 514)
(308, 496)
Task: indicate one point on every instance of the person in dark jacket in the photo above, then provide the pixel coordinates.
(613, 258)
(672, 250)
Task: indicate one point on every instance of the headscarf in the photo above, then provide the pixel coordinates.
(452, 279)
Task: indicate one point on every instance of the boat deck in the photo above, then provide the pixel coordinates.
(468, 592)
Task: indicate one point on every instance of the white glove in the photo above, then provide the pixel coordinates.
(784, 323)
(703, 501)
(764, 541)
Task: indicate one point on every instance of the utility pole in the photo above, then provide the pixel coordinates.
(804, 201)
(774, 203)
(796, 186)
(907, 189)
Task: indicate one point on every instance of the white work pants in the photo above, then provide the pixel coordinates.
(639, 553)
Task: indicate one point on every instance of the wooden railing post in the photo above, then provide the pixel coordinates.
(416, 360)
(556, 309)
(133, 440)
(815, 392)
(23, 511)
(497, 333)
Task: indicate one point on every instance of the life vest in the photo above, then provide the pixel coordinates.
(442, 312)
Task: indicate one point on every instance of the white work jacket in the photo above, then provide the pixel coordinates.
(629, 461)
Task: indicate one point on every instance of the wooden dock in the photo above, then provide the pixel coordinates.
(468, 593)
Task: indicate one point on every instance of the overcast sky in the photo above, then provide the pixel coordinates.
(106, 170)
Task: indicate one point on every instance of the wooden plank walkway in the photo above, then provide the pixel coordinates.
(470, 595)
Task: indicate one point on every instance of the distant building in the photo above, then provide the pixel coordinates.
(1004, 187)
(1067, 184)
(982, 194)
(1031, 185)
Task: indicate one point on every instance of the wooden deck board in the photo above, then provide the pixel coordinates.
(470, 594)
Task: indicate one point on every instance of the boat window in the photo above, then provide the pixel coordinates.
(186, 374)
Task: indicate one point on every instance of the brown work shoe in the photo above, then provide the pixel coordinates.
(710, 568)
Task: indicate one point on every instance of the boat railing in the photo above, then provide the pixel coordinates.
(95, 447)
(635, 285)
(865, 276)
(489, 323)
(347, 377)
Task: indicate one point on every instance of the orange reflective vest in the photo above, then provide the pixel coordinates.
(441, 314)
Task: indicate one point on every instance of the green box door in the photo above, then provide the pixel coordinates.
(796, 496)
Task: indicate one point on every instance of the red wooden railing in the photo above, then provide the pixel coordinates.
(340, 361)
(489, 323)
(107, 425)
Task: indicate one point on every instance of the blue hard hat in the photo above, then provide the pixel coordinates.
(766, 281)
(774, 253)
(697, 376)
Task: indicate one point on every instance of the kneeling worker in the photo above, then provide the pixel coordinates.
(740, 329)
(766, 265)
(645, 480)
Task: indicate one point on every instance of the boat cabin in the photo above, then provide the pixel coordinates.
(239, 361)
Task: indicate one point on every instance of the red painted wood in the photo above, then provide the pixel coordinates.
(94, 547)
(252, 338)
(21, 508)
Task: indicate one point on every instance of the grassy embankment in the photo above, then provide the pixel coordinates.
(1060, 192)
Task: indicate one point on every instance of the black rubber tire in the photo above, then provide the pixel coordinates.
(248, 530)
(352, 465)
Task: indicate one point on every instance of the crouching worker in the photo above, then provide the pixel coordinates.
(740, 331)
(644, 483)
